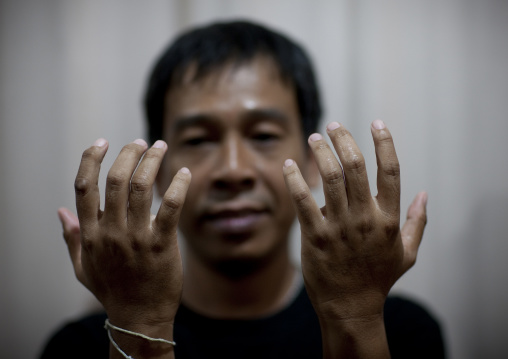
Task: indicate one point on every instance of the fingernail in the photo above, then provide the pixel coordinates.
(332, 126)
(158, 144)
(288, 163)
(315, 137)
(101, 142)
(378, 124)
(140, 142)
(184, 170)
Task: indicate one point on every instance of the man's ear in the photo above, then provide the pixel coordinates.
(311, 175)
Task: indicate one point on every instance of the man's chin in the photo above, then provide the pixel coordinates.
(241, 267)
(235, 254)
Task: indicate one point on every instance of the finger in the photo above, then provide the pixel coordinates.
(388, 170)
(307, 210)
(168, 215)
(412, 230)
(353, 164)
(118, 181)
(86, 183)
(71, 234)
(334, 187)
(141, 189)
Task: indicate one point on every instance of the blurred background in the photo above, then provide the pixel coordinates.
(436, 71)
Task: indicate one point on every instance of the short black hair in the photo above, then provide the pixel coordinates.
(214, 46)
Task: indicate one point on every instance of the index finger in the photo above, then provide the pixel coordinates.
(309, 214)
(172, 202)
(86, 183)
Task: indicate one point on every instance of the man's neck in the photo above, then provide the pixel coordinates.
(257, 292)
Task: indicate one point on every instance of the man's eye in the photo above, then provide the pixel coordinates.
(264, 137)
(195, 141)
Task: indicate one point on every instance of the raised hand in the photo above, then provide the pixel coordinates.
(353, 249)
(128, 258)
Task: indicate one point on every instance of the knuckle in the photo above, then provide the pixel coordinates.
(392, 228)
(385, 138)
(132, 148)
(322, 239)
(82, 185)
(364, 224)
(424, 219)
(136, 244)
(116, 180)
(411, 259)
(89, 154)
(392, 170)
(341, 132)
(87, 243)
(180, 182)
(291, 175)
(333, 176)
(70, 233)
(157, 247)
(300, 196)
(321, 150)
(140, 185)
(355, 163)
(420, 219)
(153, 153)
(171, 203)
(111, 239)
(321, 146)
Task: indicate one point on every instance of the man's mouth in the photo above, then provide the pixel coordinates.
(240, 221)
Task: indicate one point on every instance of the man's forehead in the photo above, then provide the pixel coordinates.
(198, 74)
(249, 85)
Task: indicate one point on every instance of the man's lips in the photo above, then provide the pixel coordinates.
(237, 220)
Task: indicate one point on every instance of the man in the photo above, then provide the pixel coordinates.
(235, 104)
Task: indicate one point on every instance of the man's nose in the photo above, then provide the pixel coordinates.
(235, 167)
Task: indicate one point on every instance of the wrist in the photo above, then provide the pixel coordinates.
(360, 308)
(155, 324)
(142, 316)
(141, 340)
(359, 337)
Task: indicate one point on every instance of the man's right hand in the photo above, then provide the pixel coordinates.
(128, 258)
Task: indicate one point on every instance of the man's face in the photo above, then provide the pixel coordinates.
(234, 129)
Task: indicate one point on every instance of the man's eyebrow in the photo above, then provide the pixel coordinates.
(253, 115)
(270, 114)
(182, 122)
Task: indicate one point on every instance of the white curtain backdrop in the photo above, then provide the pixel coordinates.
(436, 71)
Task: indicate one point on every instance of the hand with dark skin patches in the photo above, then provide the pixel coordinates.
(126, 257)
(353, 249)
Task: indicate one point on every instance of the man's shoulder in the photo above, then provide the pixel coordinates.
(81, 338)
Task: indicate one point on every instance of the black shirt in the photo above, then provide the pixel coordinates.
(291, 333)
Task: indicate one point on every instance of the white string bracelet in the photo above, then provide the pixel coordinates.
(108, 326)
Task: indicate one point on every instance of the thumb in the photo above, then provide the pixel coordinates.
(71, 234)
(412, 230)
